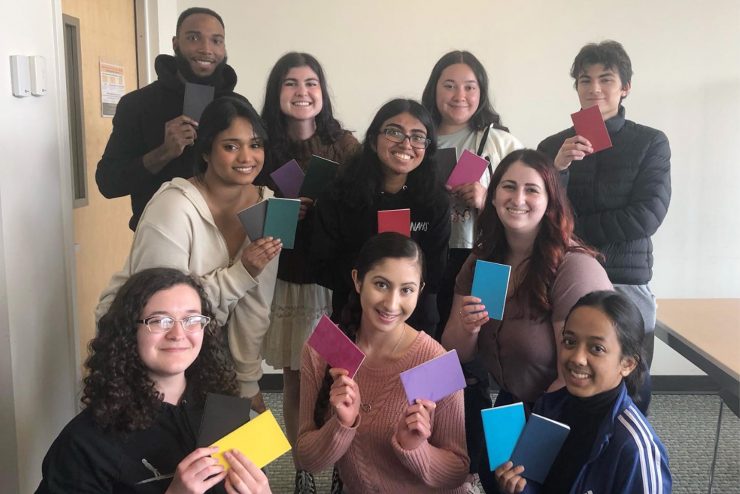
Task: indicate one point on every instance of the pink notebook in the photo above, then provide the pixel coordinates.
(333, 345)
(469, 169)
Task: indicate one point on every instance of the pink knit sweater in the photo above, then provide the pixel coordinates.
(367, 455)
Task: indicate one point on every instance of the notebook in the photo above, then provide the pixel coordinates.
(434, 379)
(538, 446)
(469, 168)
(490, 284)
(221, 415)
(289, 179)
(261, 440)
(320, 172)
(335, 347)
(395, 220)
(589, 124)
(501, 429)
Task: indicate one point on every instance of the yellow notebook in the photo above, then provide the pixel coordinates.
(261, 440)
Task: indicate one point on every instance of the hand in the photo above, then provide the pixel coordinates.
(473, 314)
(306, 204)
(197, 473)
(509, 478)
(257, 254)
(344, 397)
(178, 133)
(415, 426)
(473, 194)
(573, 148)
(244, 477)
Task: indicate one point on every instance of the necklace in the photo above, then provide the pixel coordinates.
(403, 331)
(366, 406)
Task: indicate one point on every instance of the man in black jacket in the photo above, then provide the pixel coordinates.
(151, 141)
(620, 195)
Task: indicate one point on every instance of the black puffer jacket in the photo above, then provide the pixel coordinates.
(620, 195)
(138, 127)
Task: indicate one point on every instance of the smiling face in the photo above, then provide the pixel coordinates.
(389, 292)
(300, 94)
(520, 199)
(458, 96)
(201, 42)
(237, 155)
(590, 357)
(400, 158)
(168, 355)
(599, 86)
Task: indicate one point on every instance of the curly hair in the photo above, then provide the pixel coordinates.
(377, 248)
(484, 115)
(328, 128)
(117, 388)
(361, 181)
(554, 239)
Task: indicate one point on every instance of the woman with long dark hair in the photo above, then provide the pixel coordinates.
(364, 423)
(394, 170)
(526, 224)
(300, 122)
(155, 355)
(192, 225)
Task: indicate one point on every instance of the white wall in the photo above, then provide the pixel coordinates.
(686, 83)
(35, 234)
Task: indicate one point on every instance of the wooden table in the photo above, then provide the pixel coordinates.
(707, 333)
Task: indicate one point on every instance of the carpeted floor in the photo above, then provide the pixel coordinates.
(687, 425)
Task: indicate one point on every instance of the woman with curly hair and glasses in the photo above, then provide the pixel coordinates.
(154, 358)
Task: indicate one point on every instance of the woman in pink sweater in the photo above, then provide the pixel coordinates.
(364, 424)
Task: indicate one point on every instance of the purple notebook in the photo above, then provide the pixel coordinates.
(333, 345)
(289, 179)
(469, 169)
(434, 379)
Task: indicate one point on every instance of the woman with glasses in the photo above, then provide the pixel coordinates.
(192, 225)
(155, 356)
(300, 123)
(394, 170)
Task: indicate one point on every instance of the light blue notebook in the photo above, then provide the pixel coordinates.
(490, 283)
(501, 428)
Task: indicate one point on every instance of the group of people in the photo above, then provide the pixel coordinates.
(199, 304)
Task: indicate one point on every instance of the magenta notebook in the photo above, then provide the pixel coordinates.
(289, 179)
(333, 345)
(434, 379)
(469, 169)
(589, 124)
(395, 220)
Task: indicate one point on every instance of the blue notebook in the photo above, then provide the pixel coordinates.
(490, 283)
(282, 219)
(538, 446)
(501, 428)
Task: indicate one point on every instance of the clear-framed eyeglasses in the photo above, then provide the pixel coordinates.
(162, 324)
(418, 141)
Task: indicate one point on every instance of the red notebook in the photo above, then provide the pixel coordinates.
(395, 220)
(589, 124)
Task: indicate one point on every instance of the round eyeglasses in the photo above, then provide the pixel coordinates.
(162, 324)
(418, 141)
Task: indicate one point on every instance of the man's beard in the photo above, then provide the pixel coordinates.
(184, 68)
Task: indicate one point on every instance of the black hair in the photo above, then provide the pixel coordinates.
(362, 179)
(217, 117)
(387, 245)
(611, 54)
(117, 388)
(327, 127)
(196, 10)
(484, 115)
(628, 324)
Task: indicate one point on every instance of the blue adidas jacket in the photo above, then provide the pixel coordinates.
(627, 456)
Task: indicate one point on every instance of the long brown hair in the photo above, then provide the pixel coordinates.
(554, 239)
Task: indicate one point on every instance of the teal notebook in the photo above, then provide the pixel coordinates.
(501, 429)
(490, 283)
(282, 219)
(320, 172)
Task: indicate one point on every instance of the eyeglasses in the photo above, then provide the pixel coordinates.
(162, 324)
(418, 141)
